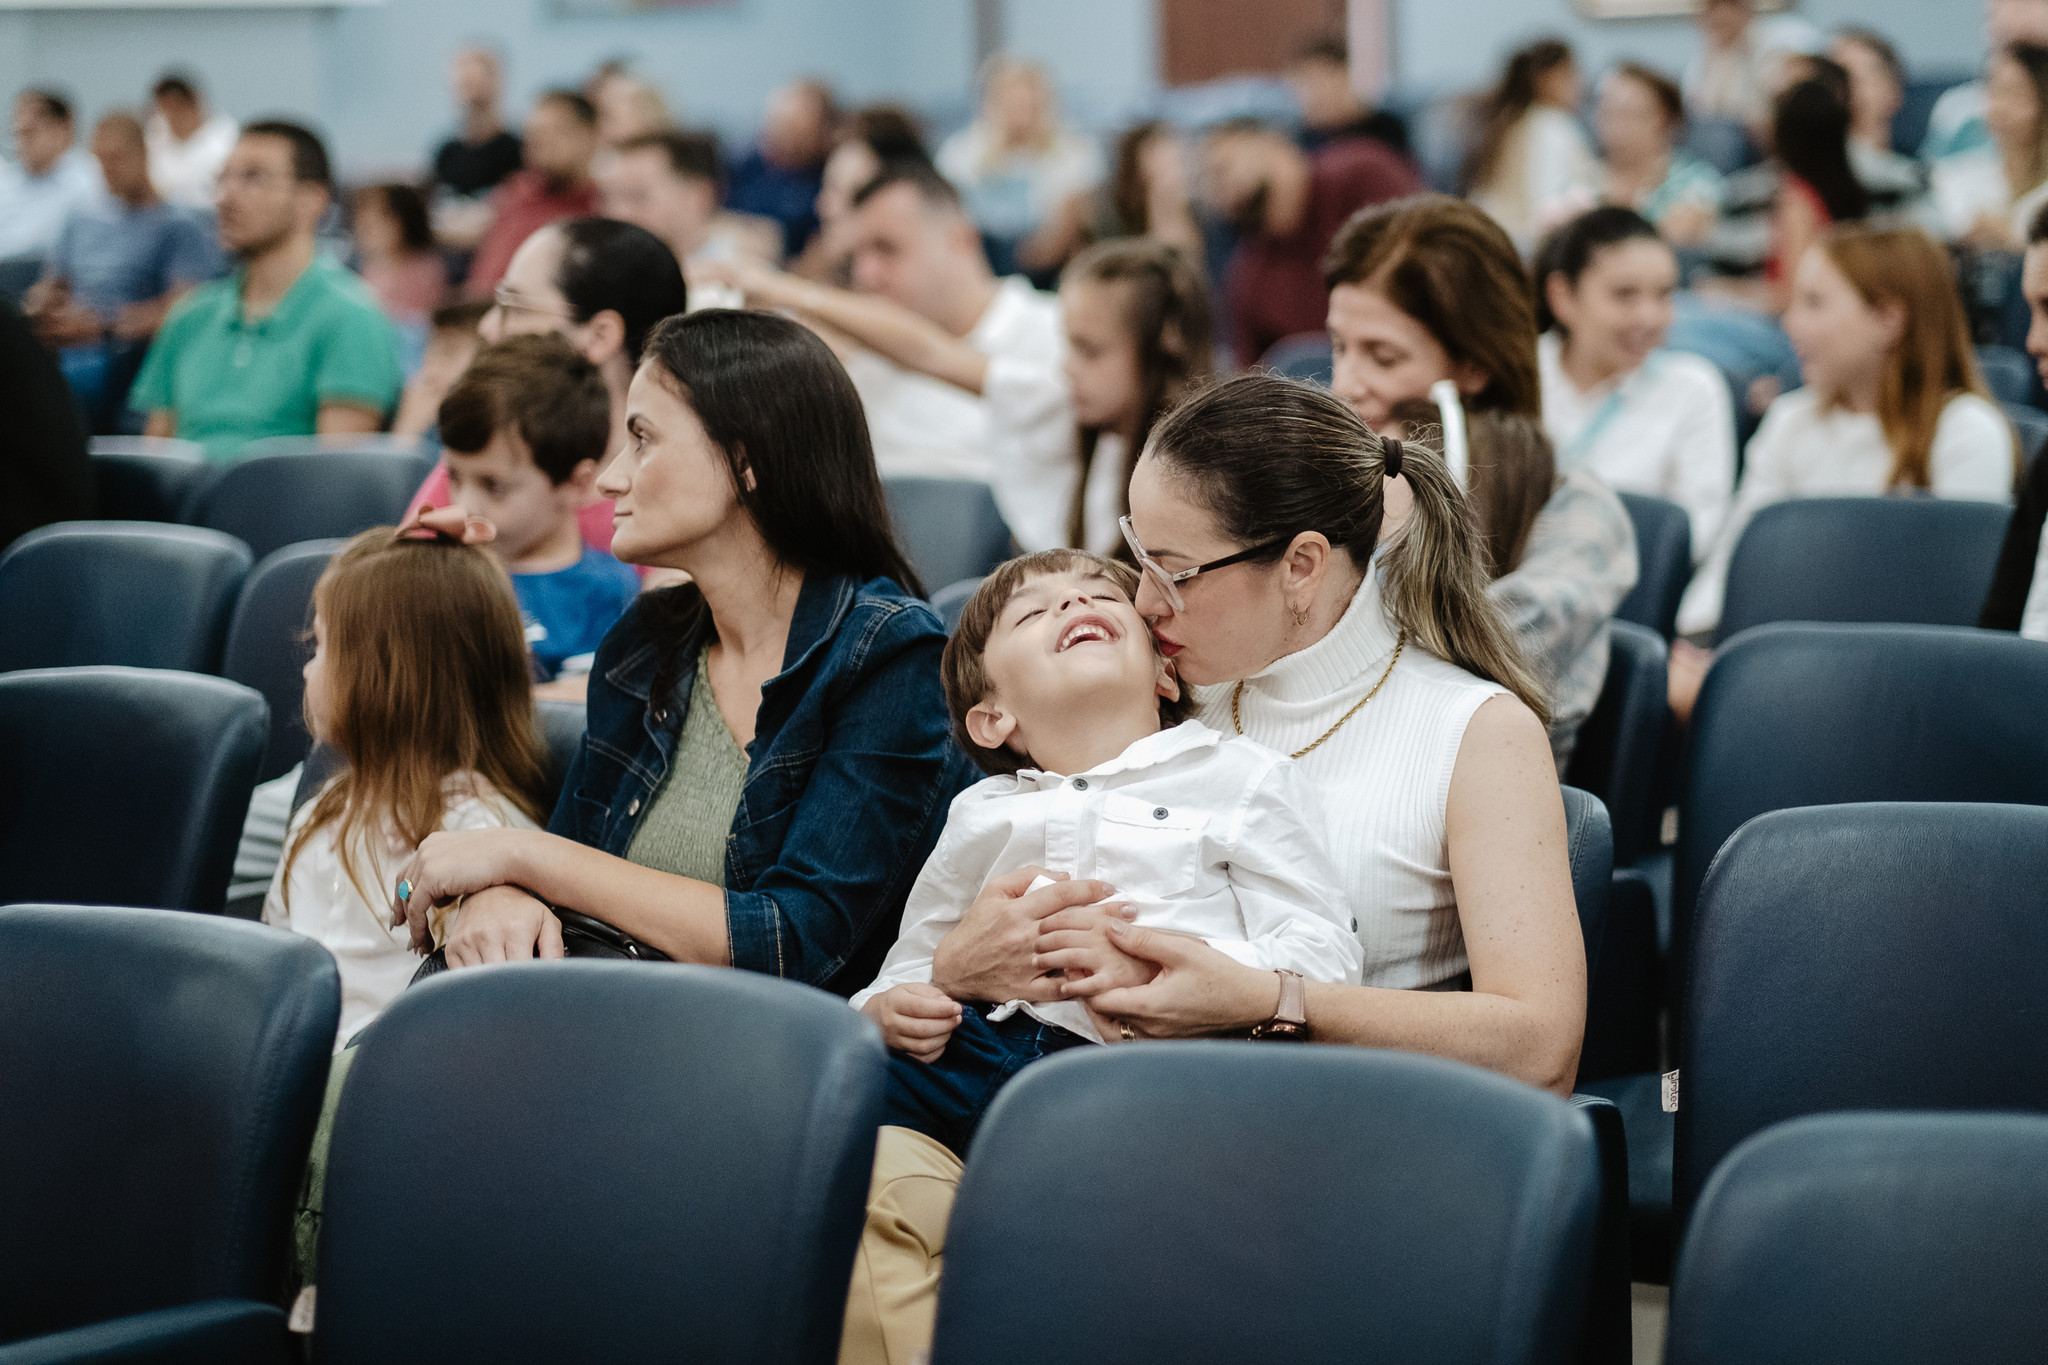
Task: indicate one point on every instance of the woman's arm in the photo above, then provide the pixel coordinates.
(1525, 1014)
(914, 342)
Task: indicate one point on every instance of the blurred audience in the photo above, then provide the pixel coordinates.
(667, 182)
(780, 178)
(1957, 121)
(452, 342)
(1877, 91)
(187, 145)
(1640, 116)
(1989, 194)
(1530, 166)
(627, 108)
(395, 254)
(602, 284)
(2018, 599)
(559, 142)
(1615, 402)
(1016, 162)
(1286, 205)
(292, 344)
(50, 179)
(1893, 400)
(1817, 187)
(1319, 74)
(1147, 196)
(483, 152)
(122, 260)
(871, 137)
(1729, 79)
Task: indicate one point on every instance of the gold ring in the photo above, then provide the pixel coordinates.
(1126, 1030)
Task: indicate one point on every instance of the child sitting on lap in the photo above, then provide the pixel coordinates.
(419, 679)
(1057, 689)
(524, 430)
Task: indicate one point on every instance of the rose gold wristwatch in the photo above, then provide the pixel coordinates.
(1290, 1017)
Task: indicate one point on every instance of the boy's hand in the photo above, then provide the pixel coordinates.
(916, 1019)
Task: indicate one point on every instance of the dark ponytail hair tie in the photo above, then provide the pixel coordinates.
(1390, 457)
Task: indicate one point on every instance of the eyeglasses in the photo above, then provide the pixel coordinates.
(512, 301)
(1168, 582)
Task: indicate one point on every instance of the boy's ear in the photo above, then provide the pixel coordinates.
(1168, 684)
(990, 726)
(583, 477)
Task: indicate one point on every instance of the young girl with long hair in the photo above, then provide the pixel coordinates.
(1893, 403)
(1062, 439)
(1530, 165)
(419, 678)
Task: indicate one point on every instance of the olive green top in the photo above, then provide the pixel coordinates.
(690, 813)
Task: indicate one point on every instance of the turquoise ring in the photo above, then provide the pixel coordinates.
(405, 890)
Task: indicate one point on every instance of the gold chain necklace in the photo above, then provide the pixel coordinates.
(1238, 696)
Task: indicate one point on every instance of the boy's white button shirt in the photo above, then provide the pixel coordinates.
(1204, 835)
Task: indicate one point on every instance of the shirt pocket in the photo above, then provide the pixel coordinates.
(1149, 850)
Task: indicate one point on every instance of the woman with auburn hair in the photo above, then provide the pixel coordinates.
(1893, 403)
(1428, 300)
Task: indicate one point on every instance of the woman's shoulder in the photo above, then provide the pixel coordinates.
(1970, 414)
(1691, 376)
(1975, 452)
(881, 607)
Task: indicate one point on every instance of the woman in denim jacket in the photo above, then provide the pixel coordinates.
(767, 763)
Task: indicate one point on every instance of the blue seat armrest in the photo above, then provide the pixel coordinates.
(217, 1332)
(1606, 1337)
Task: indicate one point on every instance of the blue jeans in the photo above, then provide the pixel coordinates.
(945, 1099)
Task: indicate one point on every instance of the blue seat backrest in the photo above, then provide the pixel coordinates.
(1808, 715)
(160, 1075)
(1664, 560)
(1589, 844)
(138, 594)
(269, 641)
(707, 1137)
(271, 501)
(562, 724)
(1291, 1204)
(2030, 425)
(1305, 356)
(1619, 744)
(951, 600)
(138, 486)
(1921, 561)
(1881, 1238)
(124, 786)
(2007, 372)
(1877, 956)
(949, 529)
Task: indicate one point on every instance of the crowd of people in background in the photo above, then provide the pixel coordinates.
(667, 377)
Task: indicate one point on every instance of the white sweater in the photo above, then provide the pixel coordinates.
(1802, 452)
(1667, 430)
(1383, 779)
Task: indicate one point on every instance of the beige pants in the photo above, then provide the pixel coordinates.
(894, 1298)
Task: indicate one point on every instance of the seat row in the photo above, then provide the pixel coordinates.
(617, 1162)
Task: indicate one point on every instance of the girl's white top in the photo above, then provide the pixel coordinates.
(354, 923)
(1801, 451)
(1383, 779)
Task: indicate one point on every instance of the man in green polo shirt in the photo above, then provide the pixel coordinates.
(291, 344)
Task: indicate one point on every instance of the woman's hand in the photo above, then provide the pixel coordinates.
(450, 864)
(1196, 990)
(502, 924)
(915, 1019)
(988, 955)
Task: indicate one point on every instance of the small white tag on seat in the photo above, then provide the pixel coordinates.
(301, 1319)
(1670, 1087)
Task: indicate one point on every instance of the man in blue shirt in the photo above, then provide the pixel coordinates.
(780, 178)
(38, 194)
(120, 263)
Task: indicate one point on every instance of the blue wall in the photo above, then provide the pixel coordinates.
(374, 76)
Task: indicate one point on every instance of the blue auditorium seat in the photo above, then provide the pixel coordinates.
(138, 594)
(1304, 356)
(271, 501)
(1664, 560)
(160, 1075)
(1870, 1239)
(2030, 424)
(1195, 1202)
(599, 1161)
(1621, 742)
(562, 724)
(146, 478)
(1918, 561)
(269, 641)
(124, 786)
(949, 529)
(951, 600)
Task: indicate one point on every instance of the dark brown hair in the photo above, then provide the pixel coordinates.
(408, 207)
(690, 154)
(540, 387)
(1810, 130)
(960, 668)
(1669, 97)
(1270, 458)
(1165, 304)
(1446, 264)
(1505, 105)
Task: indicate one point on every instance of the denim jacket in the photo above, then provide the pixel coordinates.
(849, 776)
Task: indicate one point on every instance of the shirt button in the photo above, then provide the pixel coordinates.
(1159, 812)
(1080, 784)
(633, 806)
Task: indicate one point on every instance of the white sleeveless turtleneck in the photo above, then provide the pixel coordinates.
(1384, 778)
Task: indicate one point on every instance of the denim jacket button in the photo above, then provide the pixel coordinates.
(633, 806)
